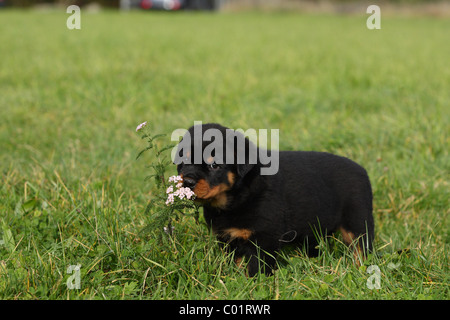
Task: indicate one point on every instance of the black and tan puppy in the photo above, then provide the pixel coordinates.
(312, 194)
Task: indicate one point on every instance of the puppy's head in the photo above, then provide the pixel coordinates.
(212, 160)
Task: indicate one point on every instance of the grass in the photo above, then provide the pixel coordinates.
(72, 193)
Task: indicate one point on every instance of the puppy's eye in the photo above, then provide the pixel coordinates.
(214, 166)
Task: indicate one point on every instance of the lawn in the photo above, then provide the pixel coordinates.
(72, 192)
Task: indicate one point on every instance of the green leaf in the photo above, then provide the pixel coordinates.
(130, 287)
(8, 239)
(158, 136)
(149, 177)
(18, 210)
(140, 153)
(328, 278)
(29, 205)
(323, 288)
(168, 147)
(153, 262)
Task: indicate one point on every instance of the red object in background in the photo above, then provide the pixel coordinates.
(176, 5)
(146, 4)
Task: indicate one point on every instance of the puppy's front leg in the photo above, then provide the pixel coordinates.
(257, 259)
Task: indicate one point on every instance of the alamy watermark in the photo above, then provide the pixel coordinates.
(374, 20)
(374, 281)
(74, 21)
(74, 281)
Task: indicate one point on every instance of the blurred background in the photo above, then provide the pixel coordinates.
(423, 7)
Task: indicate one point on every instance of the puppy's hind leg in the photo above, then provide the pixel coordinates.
(357, 229)
(360, 243)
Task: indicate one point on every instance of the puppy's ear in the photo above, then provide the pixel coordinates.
(243, 169)
(246, 155)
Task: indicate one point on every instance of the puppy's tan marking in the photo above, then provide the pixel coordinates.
(350, 240)
(204, 191)
(216, 194)
(237, 233)
(220, 201)
(240, 264)
(201, 189)
(347, 236)
(231, 178)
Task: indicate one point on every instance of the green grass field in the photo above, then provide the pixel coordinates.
(72, 193)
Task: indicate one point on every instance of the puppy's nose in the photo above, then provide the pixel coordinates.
(189, 182)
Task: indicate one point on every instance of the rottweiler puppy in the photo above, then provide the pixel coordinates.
(312, 194)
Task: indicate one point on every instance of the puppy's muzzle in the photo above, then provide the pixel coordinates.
(189, 182)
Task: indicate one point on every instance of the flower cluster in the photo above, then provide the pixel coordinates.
(171, 199)
(180, 192)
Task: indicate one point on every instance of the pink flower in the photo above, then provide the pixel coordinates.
(175, 179)
(180, 192)
(142, 125)
(170, 199)
(189, 193)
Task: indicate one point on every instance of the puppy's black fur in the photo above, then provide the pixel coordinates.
(313, 193)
